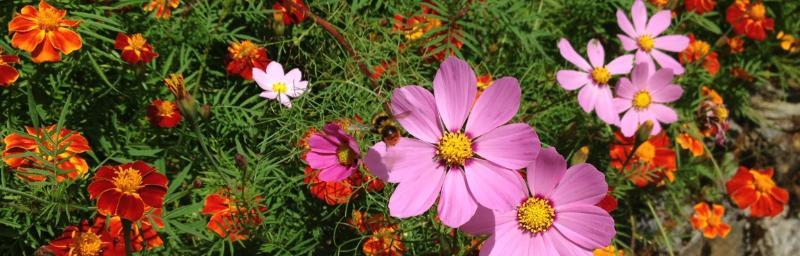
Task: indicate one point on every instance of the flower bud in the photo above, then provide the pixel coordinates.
(643, 134)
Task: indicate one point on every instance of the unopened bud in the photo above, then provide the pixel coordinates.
(205, 111)
(580, 156)
(643, 134)
(241, 162)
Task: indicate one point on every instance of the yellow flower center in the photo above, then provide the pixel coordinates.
(86, 244)
(763, 182)
(166, 109)
(454, 148)
(245, 49)
(536, 215)
(646, 152)
(758, 12)
(128, 180)
(601, 75)
(721, 112)
(49, 19)
(642, 100)
(136, 42)
(700, 48)
(646, 42)
(345, 155)
(279, 87)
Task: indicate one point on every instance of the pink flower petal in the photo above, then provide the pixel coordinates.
(572, 56)
(597, 55)
(481, 223)
(456, 205)
(414, 197)
(493, 186)
(405, 161)
(626, 26)
(284, 99)
(621, 65)
(571, 79)
(454, 89)
(629, 44)
(582, 184)
(319, 143)
(563, 245)
(496, 106)
(639, 76)
(512, 146)
(508, 240)
(605, 106)
(275, 70)
(321, 160)
(663, 113)
(269, 95)
(658, 23)
(543, 245)
(587, 97)
(588, 226)
(415, 110)
(621, 105)
(545, 173)
(672, 43)
(658, 80)
(335, 173)
(639, 15)
(644, 57)
(667, 93)
(629, 123)
(262, 79)
(667, 62)
(625, 88)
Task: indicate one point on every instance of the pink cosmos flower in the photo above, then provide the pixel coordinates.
(334, 152)
(558, 217)
(462, 165)
(644, 37)
(595, 94)
(278, 85)
(644, 97)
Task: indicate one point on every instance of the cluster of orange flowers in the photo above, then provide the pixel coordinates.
(230, 218)
(699, 51)
(384, 238)
(651, 162)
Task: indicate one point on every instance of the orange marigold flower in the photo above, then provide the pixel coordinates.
(609, 203)
(750, 19)
(332, 193)
(134, 48)
(659, 3)
(293, 15)
(653, 161)
(44, 33)
(755, 189)
(385, 241)
(244, 56)
(125, 190)
(700, 50)
(8, 74)
(608, 251)
(710, 222)
(163, 7)
(142, 234)
(688, 142)
(44, 142)
(484, 81)
(788, 43)
(366, 222)
(700, 6)
(85, 240)
(229, 217)
(736, 44)
(164, 114)
(712, 95)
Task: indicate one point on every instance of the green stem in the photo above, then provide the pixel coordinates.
(660, 227)
(126, 230)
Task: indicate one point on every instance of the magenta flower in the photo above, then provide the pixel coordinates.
(644, 97)
(644, 36)
(462, 165)
(595, 94)
(333, 152)
(558, 217)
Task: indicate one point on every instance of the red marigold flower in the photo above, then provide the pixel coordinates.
(142, 233)
(651, 163)
(244, 56)
(229, 219)
(293, 16)
(44, 142)
(125, 190)
(8, 74)
(44, 33)
(710, 222)
(755, 189)
(332, 193)
(163, 7)
(736, 44)
(385, 241)
(85, 240)
(134, 48)
(609, 203)
(700, 6)
(750, 19)
(700, 50)
(164, 114)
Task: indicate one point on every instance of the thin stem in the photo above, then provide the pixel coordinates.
(126, 230)
(660, 227)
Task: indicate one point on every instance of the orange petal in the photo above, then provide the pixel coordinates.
(744, 197)
(45, 53)
(699, 222)
(8, 75)
(69, 23)
(22, 23)
(29, 40)
(723, 230)
(702, 209)
(29, 10)
(780, 195)
(719, 210)
(44, 5)
(65, 40)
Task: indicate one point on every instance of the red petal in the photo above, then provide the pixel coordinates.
(8, 75)
(121, 41)
(156, 179)
(65, 40)
(130, 207)
(153, 195)
(29, 40)
(99, 186)
(45, 52)
(107, 202)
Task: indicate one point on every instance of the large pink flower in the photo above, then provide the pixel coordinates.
(643, 36)
(558, 217)
(466, 165)
(644, 96)
(334, 152)
(594, 78)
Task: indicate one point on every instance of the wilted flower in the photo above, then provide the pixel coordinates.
(700, 6)
(8, 74)
(700, 50)
(85, 240)
(755, 189)
(163, 8)
(643, 98)
(652, 161)
(688, 142)
(713, 115)
(125, 190)
(279, 85)
(44, 33)
(643, 36)
(134, 48)
(163, 113)
(750, 19)
(59, 148)
(244, 56)
(229, 216)
(710, 221)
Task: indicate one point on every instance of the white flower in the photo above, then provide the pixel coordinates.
(277, 85)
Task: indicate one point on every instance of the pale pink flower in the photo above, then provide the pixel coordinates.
(644, 96)
(277, 85)
(643, 36)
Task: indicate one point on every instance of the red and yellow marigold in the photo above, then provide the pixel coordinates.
(700, 6)
(8, 74)
(385, 241)
(134, 48)
(229, 216)
(332, 193)
(287, 14)
(163, 113)
(710, 221)
(755, 189)
(735, 44)
(653, 160)
(44, 32)
(750, 19)
(125, 190)
(688, 142)
(244, 56)
(51, 147)
(85, 240)
(163, 8)
(700, 50)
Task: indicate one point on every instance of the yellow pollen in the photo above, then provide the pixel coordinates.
(646, 152)
(345, 155)
(86, 244)
(642, 100)
(279, 87)
(536, 215)
(136, 42)
(166, 109)
(721, 112)
(454, 148)
(128, 180)
(245, 49)
(646, 42)
(757, 11)
(601, 75)
(49, 19)
(762, 182)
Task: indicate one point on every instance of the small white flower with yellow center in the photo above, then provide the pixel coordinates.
(279, 85)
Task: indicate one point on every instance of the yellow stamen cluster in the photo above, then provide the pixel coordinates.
(49, 19)
(762, 182)
(86, 244)
(166, 109)
(642, 100)
(536, 215)
(454, 148)
(758, 12)
(601, 75)
(279, 87)
(128, 180)
(136, 42)
(242, 50)
(646, 152)
(176, 85)
(646, 42)
(345, 155)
